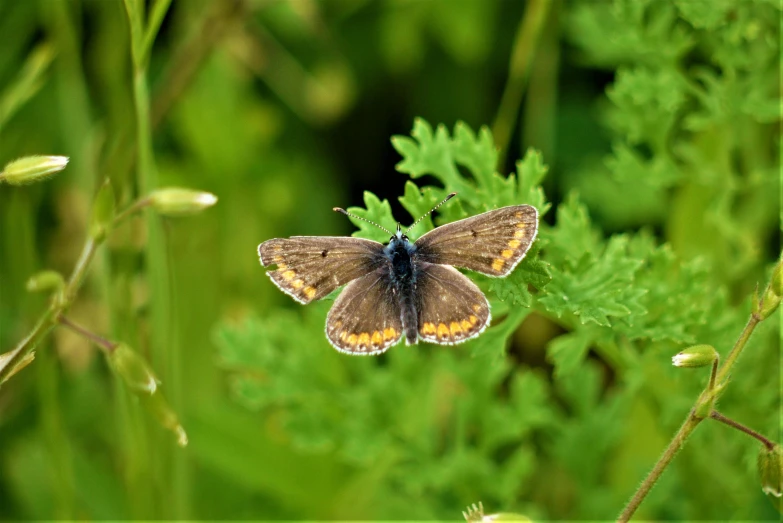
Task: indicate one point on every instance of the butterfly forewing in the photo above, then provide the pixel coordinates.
(492, 243)
(451, 308)
(310, 267)
(365, 318)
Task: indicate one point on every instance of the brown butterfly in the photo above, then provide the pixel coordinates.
(403, 287)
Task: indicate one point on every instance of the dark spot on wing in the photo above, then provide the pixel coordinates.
(473, 233)
(323, 253)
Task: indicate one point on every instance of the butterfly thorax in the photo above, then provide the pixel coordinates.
(400, 253)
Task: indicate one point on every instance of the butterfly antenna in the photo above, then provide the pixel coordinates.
(449, 197)
(343, 211)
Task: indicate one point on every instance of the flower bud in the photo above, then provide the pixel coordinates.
(769, 304)
(5, 359)
(31, 169)
(45, 281)
(776, 285)
(174, 201)
(476, 515)
(133, 370)
(696, 356)
(138, 376)
(167, 418)
(102, 212)
(770, 463)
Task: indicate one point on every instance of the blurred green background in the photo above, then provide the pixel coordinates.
(662, 118)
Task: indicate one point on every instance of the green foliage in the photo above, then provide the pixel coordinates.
(660, 212)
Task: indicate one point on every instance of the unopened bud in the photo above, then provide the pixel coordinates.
(475, 514)
(174, 201)
(31, 169)
(776, 285)
(45, 281)
(167, 418)
(133, 370)
(5, 359)
(770, 463)
(696, 356)
(769, 304)
(102, 212)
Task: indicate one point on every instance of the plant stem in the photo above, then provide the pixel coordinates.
(713, 374)
(736, 350)
(134, 207)
(710, 394)
(102, 342)
(48, 319)
(522, 55)
(676, 444)
(41, 329)
(750, 432)
(164, 349)
(80, 271)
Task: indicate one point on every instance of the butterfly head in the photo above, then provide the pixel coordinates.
(399, 236)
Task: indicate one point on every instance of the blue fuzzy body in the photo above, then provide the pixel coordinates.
(401, 256)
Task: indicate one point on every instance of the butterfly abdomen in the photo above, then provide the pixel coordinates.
(409, 315)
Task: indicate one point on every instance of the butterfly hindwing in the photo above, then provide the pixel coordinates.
(365, 318)
(310, 267)
(451, 308)
(492, 243)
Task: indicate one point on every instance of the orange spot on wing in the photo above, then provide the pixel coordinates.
(498, 264)
(364, 339)
(288, 275)
(473, 320)
(428, 328)
(507, 253)
(377, 338)
(309, 292)
(466, 325)
(389, 333)
(514, 244)
(443, 330)
(296, 284)
(455, 329)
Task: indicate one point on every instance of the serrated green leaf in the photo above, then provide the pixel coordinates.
(493, 341)
(567, 351)
(476, 153)
(418, 202)
(594, 287)
(439, 155)
(531, 271)
(376, 211)
(574, 235)
(531, 172)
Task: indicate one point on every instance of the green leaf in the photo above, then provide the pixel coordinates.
(574, 235)
(531, 172)
(418, 202)
(437, 154)
(376, 211)
(531, 271)
(568, 351)
(493, 341)
(595, 288)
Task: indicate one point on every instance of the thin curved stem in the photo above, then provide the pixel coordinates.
(770, 445)
(525, 44)
(714, 389)
(676, 444)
